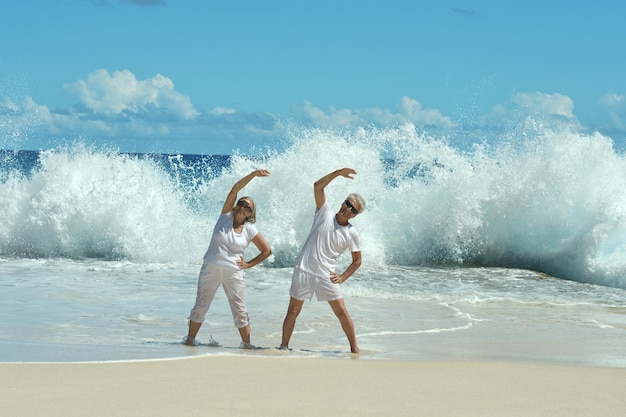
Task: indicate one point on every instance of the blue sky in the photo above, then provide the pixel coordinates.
(201, 76)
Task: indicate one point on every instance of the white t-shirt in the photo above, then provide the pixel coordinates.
(326, 241)
(226, 246)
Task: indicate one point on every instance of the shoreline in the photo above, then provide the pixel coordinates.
(277, 386)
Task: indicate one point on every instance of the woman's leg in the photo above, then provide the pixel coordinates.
(235, 289)
(244, 332)
(208, 283)
(194, 328)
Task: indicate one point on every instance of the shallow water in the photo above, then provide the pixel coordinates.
(62, 310)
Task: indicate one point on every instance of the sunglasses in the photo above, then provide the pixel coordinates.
(351, 207)
(242, 203)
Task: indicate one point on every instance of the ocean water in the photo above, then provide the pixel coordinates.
(505, 250)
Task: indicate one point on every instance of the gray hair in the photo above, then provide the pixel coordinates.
(358, 198)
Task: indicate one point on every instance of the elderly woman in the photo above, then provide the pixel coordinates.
(224, 263)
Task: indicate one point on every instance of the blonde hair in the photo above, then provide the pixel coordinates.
(252, 217)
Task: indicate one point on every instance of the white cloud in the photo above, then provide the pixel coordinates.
(550, 104)
(9, 105)
(613, 100)
(26, 114)
(408, 110)
(615, 105)
(121, 92)
(117, 108)
(419, 116)
(333, 117)
(220, 111)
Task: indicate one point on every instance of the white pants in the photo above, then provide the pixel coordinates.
(234, 286)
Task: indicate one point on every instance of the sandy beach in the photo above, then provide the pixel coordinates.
(284, 386)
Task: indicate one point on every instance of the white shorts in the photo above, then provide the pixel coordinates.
(304, 285)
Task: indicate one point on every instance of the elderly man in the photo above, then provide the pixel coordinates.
(314, 273)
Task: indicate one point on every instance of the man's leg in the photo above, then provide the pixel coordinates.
(339, 308)
(294, 309)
